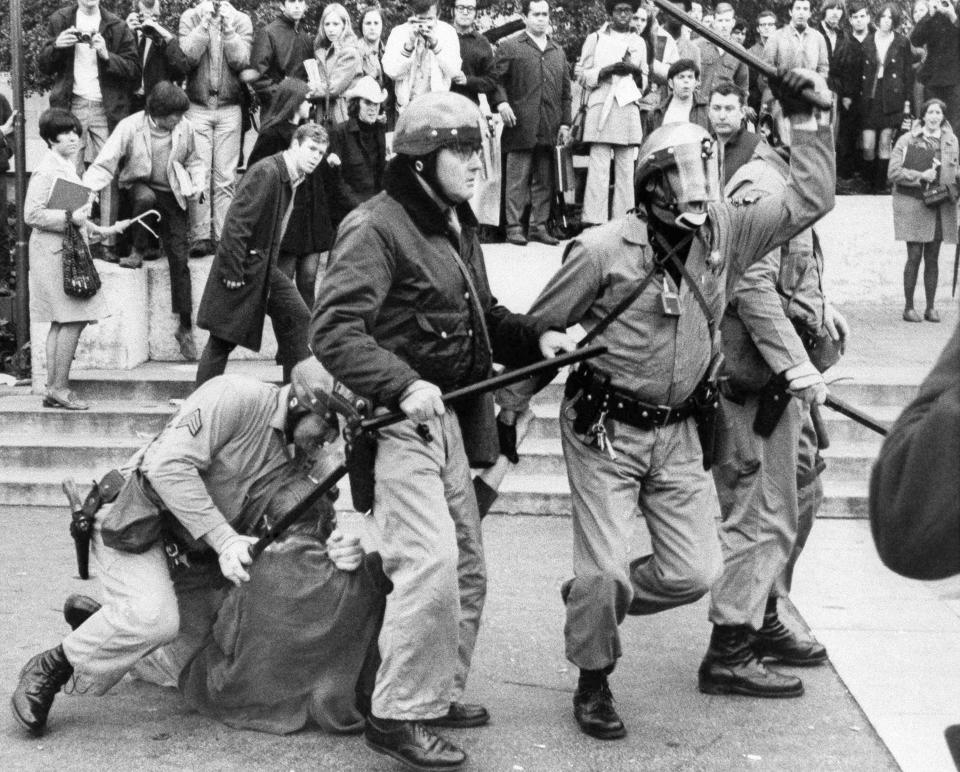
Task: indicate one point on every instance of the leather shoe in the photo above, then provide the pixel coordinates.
(543, 237)
(731, 667)
(777, 641)
(77, 609)
(517, 239)
(931, 315)
(911, 315)
(412, 744)
(595, 714)
(40, 680)
(461, 716)
(134, 261)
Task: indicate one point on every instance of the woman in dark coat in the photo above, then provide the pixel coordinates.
(887, 90)
(360, 147)
(313, 231)
(928, 155)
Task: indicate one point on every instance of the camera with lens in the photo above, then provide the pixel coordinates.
(85, 37)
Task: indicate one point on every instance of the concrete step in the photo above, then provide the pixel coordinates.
(549, 494)
(157, 381)
(82, 452)
(26, 416)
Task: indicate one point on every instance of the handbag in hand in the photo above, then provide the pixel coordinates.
(934, 195)
(80, 277)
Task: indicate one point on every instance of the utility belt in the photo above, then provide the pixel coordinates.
(595, 397)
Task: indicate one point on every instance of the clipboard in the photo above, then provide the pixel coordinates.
(68, 195)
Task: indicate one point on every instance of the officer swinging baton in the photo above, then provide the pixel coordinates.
(754, 62)
(384, 420)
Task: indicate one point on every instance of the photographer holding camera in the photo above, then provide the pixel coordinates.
(158, 49)
(422, 54)
(938, 32)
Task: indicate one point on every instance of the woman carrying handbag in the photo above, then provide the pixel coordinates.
(924, 170)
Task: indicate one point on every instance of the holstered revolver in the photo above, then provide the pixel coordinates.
(707, 397)
(81, 522)
(361, 449)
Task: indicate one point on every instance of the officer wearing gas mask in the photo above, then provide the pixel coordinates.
(650, 286)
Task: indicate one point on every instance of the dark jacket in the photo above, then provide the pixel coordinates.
(477, 55)
(248, 248)
(897, 86)
(279, 51)
(699, 112)
(164, 61)
(362, 164)
(119, 75)
(536, 84)
(942, 41)
(833, 53)
(310, 229)
(914, 486)
(849, 67)
(394, 306)
(6, 147)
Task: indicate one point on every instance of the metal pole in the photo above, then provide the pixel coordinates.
(22, 307)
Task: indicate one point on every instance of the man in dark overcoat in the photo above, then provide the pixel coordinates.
(245, 282)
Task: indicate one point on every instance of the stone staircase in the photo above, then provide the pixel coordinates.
(41, 446)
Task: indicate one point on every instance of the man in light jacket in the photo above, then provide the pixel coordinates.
(163, 171)
(216, 40)
(422, 54)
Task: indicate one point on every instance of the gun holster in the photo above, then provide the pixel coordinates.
(707, 400)
(584, 385)
(772, 401)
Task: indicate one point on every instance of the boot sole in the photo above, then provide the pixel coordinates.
(790, 662)
(732, 689)
(615, 734)
(397, 756)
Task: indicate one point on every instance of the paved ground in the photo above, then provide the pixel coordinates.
(520, 673)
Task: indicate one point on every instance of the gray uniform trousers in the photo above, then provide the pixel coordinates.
(756, 481)
(658, 473)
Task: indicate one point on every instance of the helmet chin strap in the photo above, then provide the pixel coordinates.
(426, 169)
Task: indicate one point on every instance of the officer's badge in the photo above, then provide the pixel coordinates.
(193, 423)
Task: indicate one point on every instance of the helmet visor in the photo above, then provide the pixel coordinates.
(697, 172)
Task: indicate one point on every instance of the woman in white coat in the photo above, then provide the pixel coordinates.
(613, 72)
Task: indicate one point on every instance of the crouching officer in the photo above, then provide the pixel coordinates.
(185, 494)
(766, 474)
(405, 312)
(651, 284)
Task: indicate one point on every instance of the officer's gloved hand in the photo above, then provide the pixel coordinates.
(507, 435)
(806, 383)
(421, 401)
(787, 91)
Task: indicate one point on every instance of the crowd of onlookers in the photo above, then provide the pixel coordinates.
(162, 115)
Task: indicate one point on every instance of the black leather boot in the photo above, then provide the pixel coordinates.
(412, 744)
(594, 711)
(77, 609)
(731, 667)
(40, 680)
(461, 716)
(777, 641)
